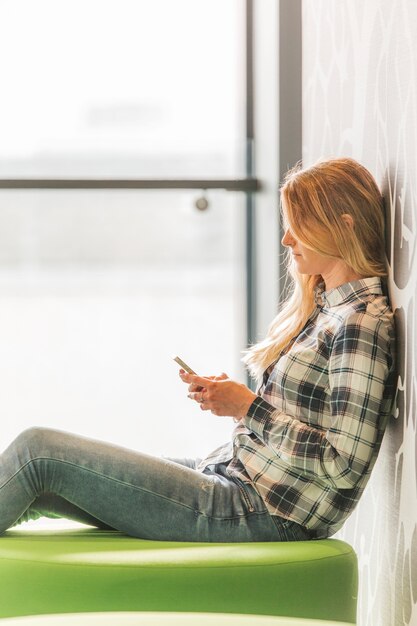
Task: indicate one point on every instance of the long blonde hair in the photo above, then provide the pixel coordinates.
(313, 201)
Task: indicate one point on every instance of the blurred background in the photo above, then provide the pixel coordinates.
(99, 288)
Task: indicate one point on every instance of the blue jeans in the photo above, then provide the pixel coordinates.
(51, 473)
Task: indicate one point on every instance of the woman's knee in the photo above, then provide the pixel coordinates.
(35, 439)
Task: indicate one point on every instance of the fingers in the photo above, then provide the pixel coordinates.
(200, 396)
(200, 381)
(195, 383)
(202, 388)
(193, 387)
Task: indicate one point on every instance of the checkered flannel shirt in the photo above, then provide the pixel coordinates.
(310, 439)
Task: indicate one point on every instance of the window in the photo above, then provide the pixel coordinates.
(99, 288)
(126, 88)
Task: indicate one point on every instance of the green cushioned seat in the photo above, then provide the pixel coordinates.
(88, 570)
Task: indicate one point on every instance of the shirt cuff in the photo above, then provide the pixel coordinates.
(258, 414)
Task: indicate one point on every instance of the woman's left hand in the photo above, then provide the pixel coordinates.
(221, 395)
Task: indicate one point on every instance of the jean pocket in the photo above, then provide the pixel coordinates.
(250, 497)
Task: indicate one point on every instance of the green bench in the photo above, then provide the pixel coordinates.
(88, 570)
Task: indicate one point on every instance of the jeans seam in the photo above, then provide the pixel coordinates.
(91, 471)
(16, 473)
(116, 480)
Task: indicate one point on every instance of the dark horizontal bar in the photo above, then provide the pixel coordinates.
(242, 184)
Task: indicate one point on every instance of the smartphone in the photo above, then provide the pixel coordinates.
(184, 366)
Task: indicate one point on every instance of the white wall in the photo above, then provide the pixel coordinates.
(360, 100)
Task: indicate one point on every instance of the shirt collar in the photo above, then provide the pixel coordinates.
(348, 291)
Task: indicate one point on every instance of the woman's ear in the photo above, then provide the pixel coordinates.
(346, 217)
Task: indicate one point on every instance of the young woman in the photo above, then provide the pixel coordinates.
(304, 444)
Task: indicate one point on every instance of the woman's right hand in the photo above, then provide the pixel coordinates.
(195, 388)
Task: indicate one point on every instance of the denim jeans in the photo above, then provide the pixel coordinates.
(52, 473)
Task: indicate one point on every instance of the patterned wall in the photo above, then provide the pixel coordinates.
(360, 100)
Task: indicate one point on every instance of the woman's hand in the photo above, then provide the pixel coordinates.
(219, 394)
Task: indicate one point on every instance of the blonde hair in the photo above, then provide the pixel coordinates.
(313, 201)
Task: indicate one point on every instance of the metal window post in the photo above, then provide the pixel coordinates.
(251, 299)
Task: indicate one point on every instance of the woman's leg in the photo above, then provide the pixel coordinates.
(55, 507)
(138, 494)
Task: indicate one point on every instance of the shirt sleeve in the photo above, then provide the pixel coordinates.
(359, 365)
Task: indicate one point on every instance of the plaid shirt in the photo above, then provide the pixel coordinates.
(311, 438)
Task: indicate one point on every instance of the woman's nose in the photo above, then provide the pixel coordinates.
(288, 239)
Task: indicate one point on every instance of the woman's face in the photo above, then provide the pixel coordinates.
(307, 261)
(334, 272)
